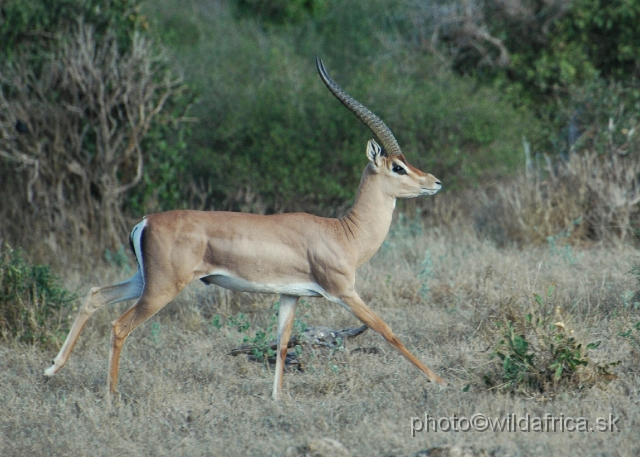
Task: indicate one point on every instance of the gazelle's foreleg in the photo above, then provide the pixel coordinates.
(353, 301)
(285, 322)
(97, 298)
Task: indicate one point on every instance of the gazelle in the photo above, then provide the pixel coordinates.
(294, 255)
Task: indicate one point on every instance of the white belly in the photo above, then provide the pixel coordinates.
(224, 279)
(242, 285)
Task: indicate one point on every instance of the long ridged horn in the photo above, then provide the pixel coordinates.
(372, 121)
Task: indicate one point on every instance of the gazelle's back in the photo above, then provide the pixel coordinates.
(246, 252)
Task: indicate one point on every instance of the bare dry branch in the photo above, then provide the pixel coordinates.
(86, 112)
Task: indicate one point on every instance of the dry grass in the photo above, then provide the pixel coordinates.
(589, 197)
(180, 394)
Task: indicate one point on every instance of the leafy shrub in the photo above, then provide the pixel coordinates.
(280, 11)
(536, 49)
(37, 26)
(566, 61)
(33, 301)
(538, 352)
(600, 116)
(593, 36)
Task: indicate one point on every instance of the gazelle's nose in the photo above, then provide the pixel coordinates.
(439, 184)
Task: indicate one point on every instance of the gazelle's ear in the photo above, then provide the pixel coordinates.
(374, 151)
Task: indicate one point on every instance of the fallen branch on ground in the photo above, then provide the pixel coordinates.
(312, 336)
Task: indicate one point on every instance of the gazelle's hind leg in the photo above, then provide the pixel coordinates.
(285, 322)
(97, 298)
(153, 299)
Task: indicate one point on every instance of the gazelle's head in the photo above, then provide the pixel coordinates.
(401, 179)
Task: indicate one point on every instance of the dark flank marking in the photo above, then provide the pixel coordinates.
(133, 249)
(131, 242)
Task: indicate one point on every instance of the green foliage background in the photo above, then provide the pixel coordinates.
(569, 60)
(268, 125)
(35, 24)
(269, 137)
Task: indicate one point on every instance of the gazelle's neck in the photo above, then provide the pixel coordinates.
(368, 221)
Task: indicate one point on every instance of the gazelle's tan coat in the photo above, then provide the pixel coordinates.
(294, 254)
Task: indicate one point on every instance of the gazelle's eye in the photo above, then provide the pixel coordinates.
(398, 169)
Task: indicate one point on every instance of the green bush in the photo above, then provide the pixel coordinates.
(280, 11)
(605, 113)
(550, 57)
(271, 137)
(296, 146)
(549, 46)
(33, 301)
(537, 352)
(594, 37)
(37, 25)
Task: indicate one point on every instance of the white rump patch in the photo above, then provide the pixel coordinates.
(136, 240)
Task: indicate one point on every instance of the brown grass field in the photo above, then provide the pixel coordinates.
(442, 291)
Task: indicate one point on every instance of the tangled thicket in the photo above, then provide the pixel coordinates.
(73, 126)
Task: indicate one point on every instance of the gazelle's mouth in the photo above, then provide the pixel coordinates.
(426, 191)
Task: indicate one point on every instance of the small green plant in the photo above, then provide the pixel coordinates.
(299, 324)
(262, 349)
(537, 350)
(32, 301)
(216, 322)
(516, 356)
(261, 339)
(240, 322)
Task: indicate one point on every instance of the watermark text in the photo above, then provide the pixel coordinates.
(513, 423)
